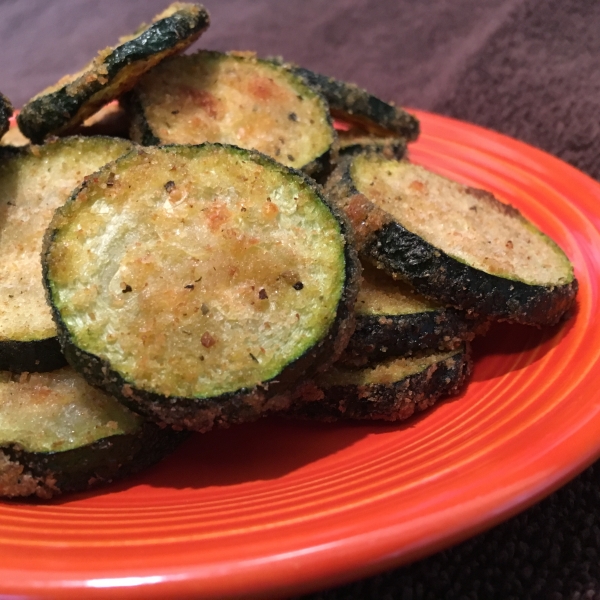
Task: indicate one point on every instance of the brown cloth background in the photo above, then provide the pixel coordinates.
(526, 68)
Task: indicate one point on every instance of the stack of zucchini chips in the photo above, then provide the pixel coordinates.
(236, 256)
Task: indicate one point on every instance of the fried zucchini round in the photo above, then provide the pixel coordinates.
(455, 244)
(58, 434)
(34, 182)
(391, 391)
(233, 99)
(392, 320)
(60, 108)
(6, 111)
(356, 106)
(202, 282)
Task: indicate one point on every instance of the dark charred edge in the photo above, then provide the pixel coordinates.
(6, 111)
(8, 152)
(380, 337)
(141, 132)
(139, 128)
(391, 148)
(389, 402)
(348, 101)
(39, 356)
(437, 275)
(321, 167)
(245, 404)
(55, 112)
(91, 466)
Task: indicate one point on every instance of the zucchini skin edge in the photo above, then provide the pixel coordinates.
(388, 402)
(57, 112)
(99, 463)
(435, 274)
(350, 101)
(407, 334)
(438, 275)
(39, 356)
(242, 405)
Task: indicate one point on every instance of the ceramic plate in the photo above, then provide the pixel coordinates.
(279, 507)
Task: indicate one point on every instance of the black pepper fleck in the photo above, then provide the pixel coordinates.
(169, 186)
(298, 285)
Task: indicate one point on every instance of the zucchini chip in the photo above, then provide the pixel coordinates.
(6, 111)
(58, 434)
(60, 108)
(34, 182)
(455, 244)
(356, 106)
(233, 99)
(208, 279)
(391, 391)
(392, 320)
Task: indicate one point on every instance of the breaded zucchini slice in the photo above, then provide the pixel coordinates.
(58, 434)
(392, 390)
(393, 320)
(34, 182)
(6, 111)
(356, 106)
(60, 108)
(453, 243)
(200, 283)
(233, 99)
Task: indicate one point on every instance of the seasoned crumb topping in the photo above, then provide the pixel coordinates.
(57, 411)
(469, 225)
(32, 186)
(236, 99)
(185, 273)
(15, 482)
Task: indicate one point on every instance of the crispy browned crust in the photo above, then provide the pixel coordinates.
(246, 404)
(388, 245)
(42, 476)
(395, 401)
(146, 134)
(60, 110)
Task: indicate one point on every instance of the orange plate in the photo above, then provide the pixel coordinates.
(279, 507)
